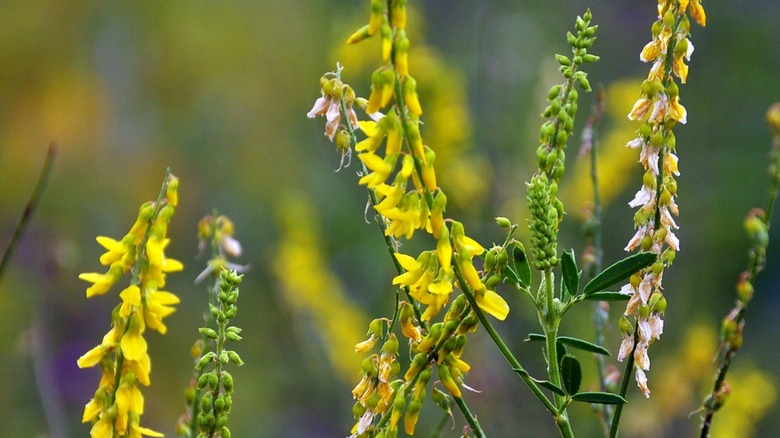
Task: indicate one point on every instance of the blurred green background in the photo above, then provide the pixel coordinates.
(219, 91)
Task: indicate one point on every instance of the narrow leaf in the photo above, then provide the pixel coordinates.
(544, 383)
(607, 296)
(581, 344)
(571, 277)
(535, 337)
(602, 398)
(619, 271)
(522, 267)
(549, 385)
(571, 372)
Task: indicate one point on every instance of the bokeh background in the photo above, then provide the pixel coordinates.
(218, 91)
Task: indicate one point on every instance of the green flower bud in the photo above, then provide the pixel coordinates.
(625, 325)
(227, 381)
(503, 222)
(235, 358)
(208, 333)
(563, 60)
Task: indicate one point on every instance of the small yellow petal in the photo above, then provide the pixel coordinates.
(407, 262)
(493, 304)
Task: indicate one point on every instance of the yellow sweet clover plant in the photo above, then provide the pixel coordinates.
(117, 406)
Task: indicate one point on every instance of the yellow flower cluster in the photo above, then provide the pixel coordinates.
(660, 110)
(117, 405)
(398, 171)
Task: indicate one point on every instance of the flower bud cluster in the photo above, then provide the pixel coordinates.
(116, 408)
(659, 109)
(563, 100)
(378, 392)
(543, 223)
(217, 385)
(547, 210)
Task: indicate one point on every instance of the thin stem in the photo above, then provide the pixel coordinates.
(30, 208)
(550, 321)
(613, 431)
(737, 314)
(513, 362)
(470, 418)
(590, 139)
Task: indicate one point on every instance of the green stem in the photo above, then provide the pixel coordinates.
(470, 418)
(755, 266)
(513, 362)
(29, 209)
(550, 320)
(613, 431)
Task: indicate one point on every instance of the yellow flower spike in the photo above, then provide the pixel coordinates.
(493, 304)
(410, 96)
(401, 53)
(172, 190)
(359, 35)
(133, 343)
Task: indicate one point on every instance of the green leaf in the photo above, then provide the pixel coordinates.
(549, 385)
(571, 342)
(619, 271)
(511, 276)
(607, 296)
(602, 398)
(522, 267)
(571, 373)
(583, 345)
(544, 383)
(571, 277)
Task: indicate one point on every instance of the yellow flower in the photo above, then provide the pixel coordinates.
(492, 303)
(133, 343)
(380, 169)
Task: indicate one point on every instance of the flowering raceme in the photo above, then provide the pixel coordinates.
(403, 191)
(116, 408)
(659, 109)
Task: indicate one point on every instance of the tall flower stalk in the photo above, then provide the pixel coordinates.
(659, 110)
(117, 405)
